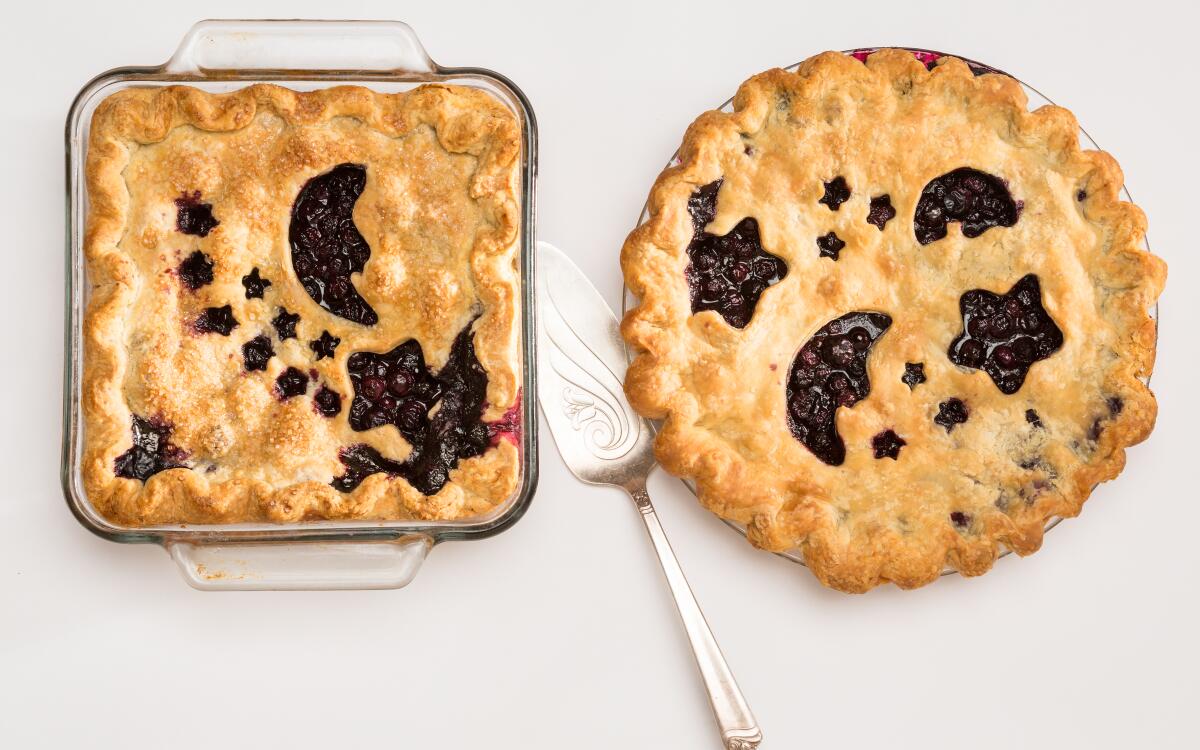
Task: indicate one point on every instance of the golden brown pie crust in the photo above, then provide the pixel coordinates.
(440, 213)
(890, 127)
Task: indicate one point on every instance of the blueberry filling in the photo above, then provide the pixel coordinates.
(830, 245)
(327, 401)
(830, 371)
(881, 211)
(257, 352)
(727, 273)
(397, 388)
(216, 320)
(914, 374)
(887, 444)
(196, 270)
(1032, 418)
(978, 200)
(326, 245)
(837, 192)
(960, 519)
(291, 382)
(151, 451)
(255, 284)
(324, 345)
(1004, 334)
(285, 324)
(951, 412)
(194, 217)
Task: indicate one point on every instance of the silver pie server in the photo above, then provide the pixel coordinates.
(581, 364)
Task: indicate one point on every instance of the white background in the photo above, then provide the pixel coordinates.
(560, 633)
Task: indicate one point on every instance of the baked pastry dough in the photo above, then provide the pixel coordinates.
(955, 349)
(243, 248)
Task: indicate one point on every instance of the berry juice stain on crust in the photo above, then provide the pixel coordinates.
(1005, 334)
(829, 372)
(194, 217)
(397, 388)
(255, 285)
(150, 453)
(216, 320)
(830, 245)
(291, 382)
(507, 427)
(881, 211)
(257, 352)
(951, 412)
(727, 273)
(977, 200)
(326, 245)
(837, 192)
(196, 271)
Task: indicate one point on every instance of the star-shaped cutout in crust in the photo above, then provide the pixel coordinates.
(1004, 334)
(285, 324)
(837, 192)
(324, 345)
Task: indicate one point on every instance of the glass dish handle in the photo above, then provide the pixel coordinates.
(300, 566)
(222, 46)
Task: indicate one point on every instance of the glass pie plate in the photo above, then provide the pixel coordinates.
(225, 55)
(1036, 99)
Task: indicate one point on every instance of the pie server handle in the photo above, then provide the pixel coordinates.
(739, 728)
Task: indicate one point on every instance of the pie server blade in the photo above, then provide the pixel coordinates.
(581, 365)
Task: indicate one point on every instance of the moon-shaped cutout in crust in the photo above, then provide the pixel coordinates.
(830, 371)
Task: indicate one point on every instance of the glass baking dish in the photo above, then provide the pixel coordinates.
(221, 56)
(926, 56)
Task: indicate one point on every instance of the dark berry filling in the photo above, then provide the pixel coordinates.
(285, 324)
(978, 200)
(727, 273)
(397, 388)
(837, 192)
(257, 352)
(324, 345)
(1004, 334)
(830, 245)
(887, 444)
(951, 412)
(255, 284)
(830, 371)
(196, 270)
(914, 374)
(1081, 196)
(216, 320)
(1032, 418)
(326, 245)
(150, 453)
(194, 217)
(960, 519)
(881, 211)
(291, 382)
(327, 401)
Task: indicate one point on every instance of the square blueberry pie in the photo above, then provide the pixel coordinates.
(890, 318)
(303, 306)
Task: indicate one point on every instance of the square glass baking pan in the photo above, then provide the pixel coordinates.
(225, 55)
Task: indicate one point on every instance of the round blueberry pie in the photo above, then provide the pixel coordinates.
(302, 305)
(890, 318)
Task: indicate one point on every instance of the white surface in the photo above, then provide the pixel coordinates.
(559, 633)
